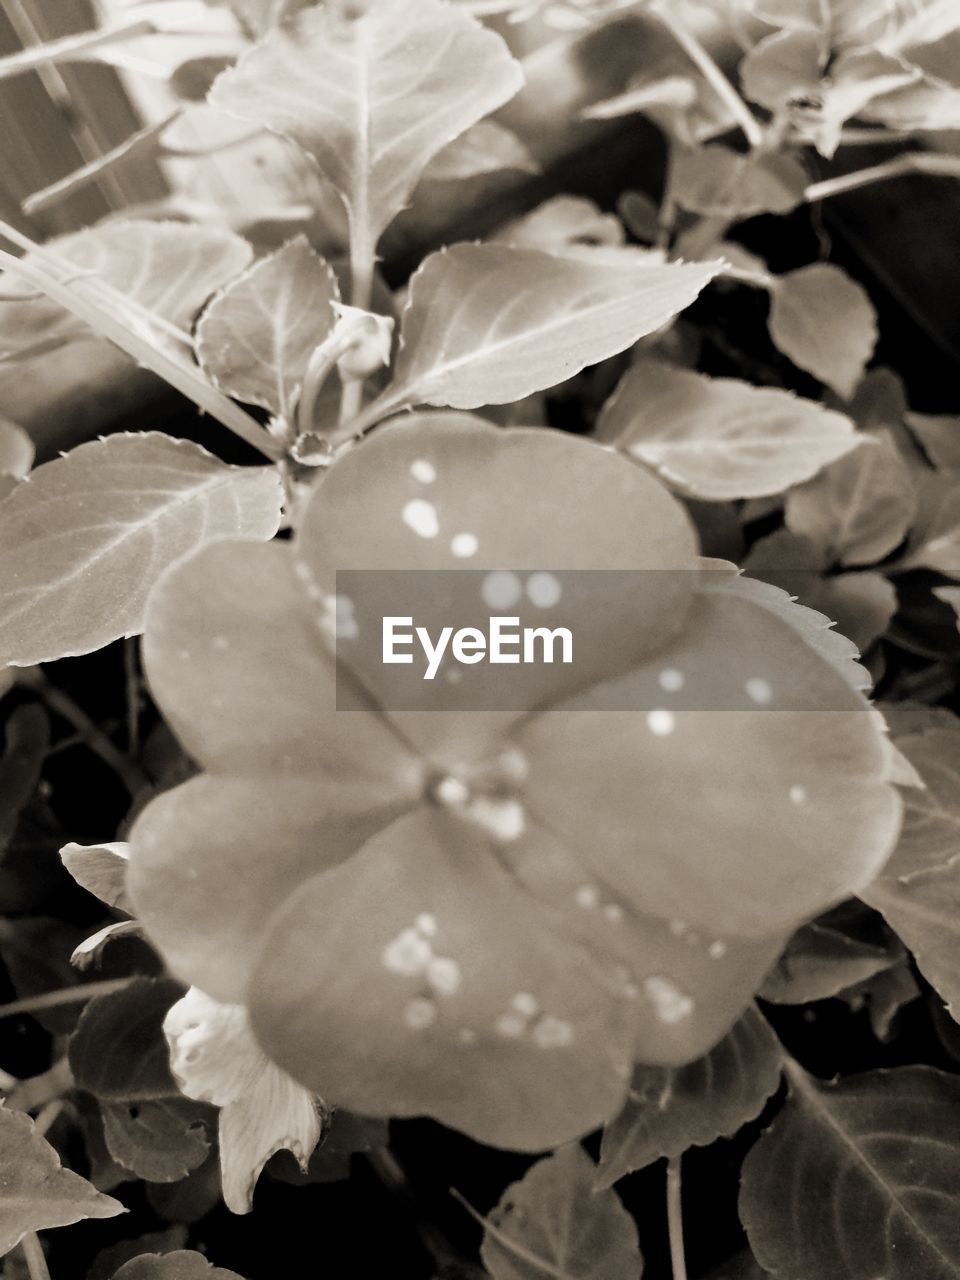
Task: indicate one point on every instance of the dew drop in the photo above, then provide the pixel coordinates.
(670, 1004)
(443, 975)
(525, 1003)
(420, 1013)
(717, 950)
(464, 545)
(501, 589)
(759, 690)
(421, 516)
(661, 723)
(552, 1033)
(423, 471)
(798, 794)
(543, 590)
(671, 680)
(408, 954)
(587, 896)
(426, 922)
(510, 1025)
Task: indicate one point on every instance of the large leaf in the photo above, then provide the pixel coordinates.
(672, 1108)
(373, 91)
(825, 323)
(721, 438)
(167, 268)
(83, 542)
(554, 1223)
(859, 1180)
(256, 337)
(35, 1192)
(859, 509)
(118, 1050)
(183, 1264)
(159, 1139)
(488, 324)
(919, 890)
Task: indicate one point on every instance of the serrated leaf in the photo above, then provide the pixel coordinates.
(118, 1050)
(553, 1223)
(672, 1108)
(859, 1180)
(719, 182)
(83, 542)
(720, 438)
(918, 892)
(825, 323)
(858, 509)
(167, 268)
(255, 338)
(184, 1264)
(101, 869)
(486, 147)
(160, 1140)
(16, 450)
(489, 324)
(36, 1193)
(820, 962)
(373, 91)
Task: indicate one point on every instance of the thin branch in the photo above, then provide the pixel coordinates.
(33, 1255)
(913, 162)
(705, 64)
(129, 773)
(76, 48)
(67, 995)
(678, 1259)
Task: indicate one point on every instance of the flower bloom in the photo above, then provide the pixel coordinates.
(489, 916)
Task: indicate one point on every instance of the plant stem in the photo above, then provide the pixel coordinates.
(678, 1259)
(67, 995)
(392, 1176)
(129, 773)
(70, 48)
(705, 64)
(131, 671)
(32, 1252)
(363, 259)
(900, 166)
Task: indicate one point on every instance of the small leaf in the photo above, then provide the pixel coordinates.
(35, 1192)
(721, 183)
(561, 224)
(255, 338)
(184, 1264)
(935, 537)
(939, 435)
(118, 1050)
(488, 324)
(167, 268)
(16, 450)
(101, 869)
(720, 438)
(486, 147)
(83, 542)
(858, 1180)
(820, 962)
(930, 40)
(672, 1108)
(553, 1223)
(372, 91)
(859, 509)
(825, 323)
(781, 68)
(160, 1140)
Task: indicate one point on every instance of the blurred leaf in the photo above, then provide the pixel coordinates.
(935, 537)
(486, 147)
(101, 869)
(35, 1192)
(26, 743)
(181, 1265)
(107, 1261)
(159, 1140)
(858, 1180)
(858, 509)
(467, 341)
(718, 182)
(553, 1222)
(885, 995)
(561, 224)
(255, 338)
(820, 962)
(118, 1050)
(930, 40)
(720, 438)
(672, 1108)
(373, 92)
(782, 67)
(939, 434)
(825, 323)
(84, 541)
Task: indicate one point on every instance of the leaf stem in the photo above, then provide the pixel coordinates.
(72, 48)
(678, 1260)
(362, 262)
(129, 773)
(913, 162)
(66, 995)
(33, 1255)
(705, 64)
(512, 1246)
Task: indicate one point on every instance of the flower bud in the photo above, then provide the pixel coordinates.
(369, 339)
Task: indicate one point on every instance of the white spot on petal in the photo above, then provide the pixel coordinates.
(543, 590)
(552, 1033)
(421, 516)
(451, 792)
(464, 545)
(798, 794)
(420, 1013)
(759, 690)
(501, 589)
(408, 954)
(661, 723)
(671, 680)
(423, 471)
(670, 1004)
(443, 974)
(505, 820)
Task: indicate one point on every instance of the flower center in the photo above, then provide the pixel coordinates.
(486, 793)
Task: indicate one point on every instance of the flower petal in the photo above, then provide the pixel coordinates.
(416, 979)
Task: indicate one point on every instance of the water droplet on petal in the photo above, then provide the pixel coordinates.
(661, 723)
(670, 1004)
(501, 589)
(421, 516)
(543, 590)
(408, 954)
(443, 975)
(798, 794)
(426, 922)
(759, 690)
(525, 1003)
(671, 680)
(419, 1013)
(587, 896)
(552, 1033)
(423, 471)
(464, 545)
(717, 950)
(511, 1025)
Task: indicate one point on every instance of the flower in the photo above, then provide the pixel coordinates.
(489, 916)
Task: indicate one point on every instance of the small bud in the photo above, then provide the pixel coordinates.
(369, 339)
